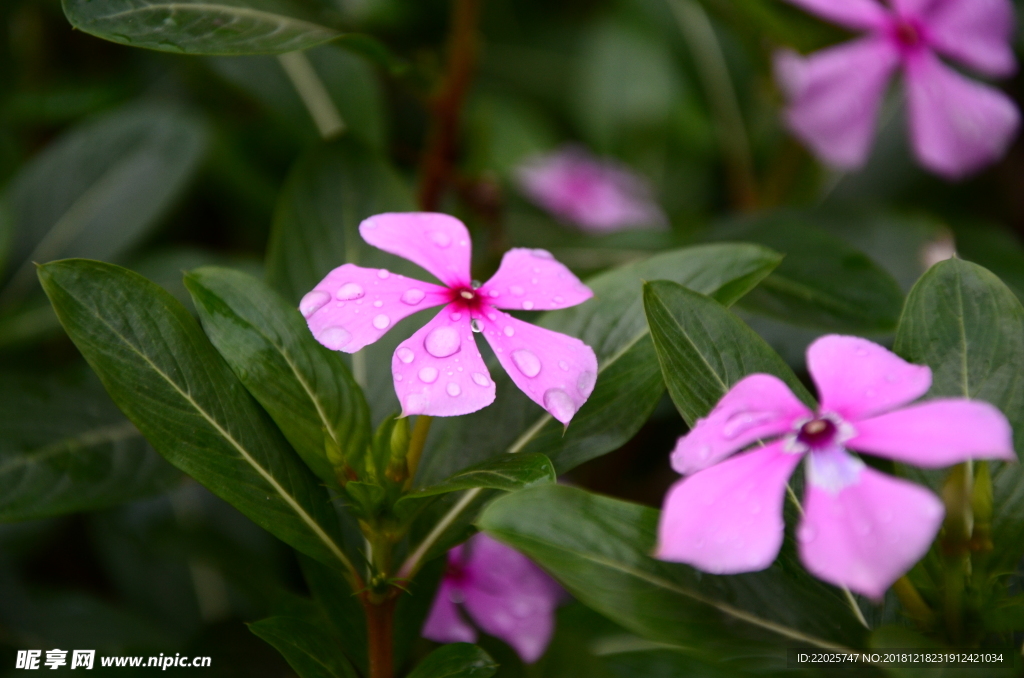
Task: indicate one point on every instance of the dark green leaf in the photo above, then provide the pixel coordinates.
(117, 175)
(704, 349)
(342, 607)
(457, 660)
(598, 548)
(305, 387)
(307, 643)
(168, 379)
(203, 26)
(65, 447)
(507, 472)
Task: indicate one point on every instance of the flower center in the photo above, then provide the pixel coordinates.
(817, 433)
(907, 34)
(466, 298)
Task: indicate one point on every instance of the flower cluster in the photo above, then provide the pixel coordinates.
(860, 528)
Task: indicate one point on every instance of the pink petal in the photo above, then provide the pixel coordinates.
(355, 306)
(556, 371)
(757, 406)
(854, 14)
(533, 280)
(439, 370)
(975, 32)
(869, 533)
(444, 623)
(857, 378)
(728, 518)
(937, 433)
(957, 125)
(511, 598)
(913, 8)
(437, 242)
(835, 95)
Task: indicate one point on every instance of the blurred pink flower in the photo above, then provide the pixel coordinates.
(502, 591)
(957, 125)
(439, 370)
(600, 196)
(860, 528)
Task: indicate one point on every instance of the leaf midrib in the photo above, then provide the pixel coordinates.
(270, 17)
(111, 433)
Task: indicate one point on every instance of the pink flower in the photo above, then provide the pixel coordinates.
(502, 591)
(957, 125)
(860, 528)
(439, 370)
(600, 196)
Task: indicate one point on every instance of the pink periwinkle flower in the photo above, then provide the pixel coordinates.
(957, 125)
(504, 593)
(600, 196)
(439, 370)
(860, 528)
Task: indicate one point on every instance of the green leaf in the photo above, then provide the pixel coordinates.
(307, 644)
(306, 388)
(339, 602)
(64, 447)
(598, 549)
(822, 283)
(97, 190)
(965, 324)
(704, 349)
(164, 374)
(228, 27)
(457, 660)
(629, 382)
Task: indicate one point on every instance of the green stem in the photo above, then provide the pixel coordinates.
(420, 431)
(313, 94)
(958, 528)
(912, 601)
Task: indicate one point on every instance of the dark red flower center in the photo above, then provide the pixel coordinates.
(465, 298)
(907, 34)
(817, 433)
(456, 572)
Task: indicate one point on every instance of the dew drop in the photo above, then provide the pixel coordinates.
(405, 355)
(413, 296)
(492, 316)
(494, 293)
(440, 239)
(559, 300)
(509, 330)
(383, 274)
(517, 290)
(350, 291)
(475, 284)
(480, 379)
(453, 389)
(542, 254)
(313, 302)
(416, 403)
(442, 342)
(335, 338)
(559, 404)
(381, 322)
(528, 305)
(564, 365)
(741, 422)
(456, 316)
(704, 452)
(527, 362)
(585, 383)
(806, 534)
(428, 375)
(398, 377)
(378, 303)
(533, 282)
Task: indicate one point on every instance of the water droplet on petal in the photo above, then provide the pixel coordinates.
(542, 254)
(475, 284)
(313, 302)
(704, 452)
(528, 305)
(517, 290)
(527, 362)
(456, 316)
(564, 365)
(480, 379)
(492, 316)
(494, 293)
(740, 422)
(533, 282)
(453, 389)
(476, 325)
(413, 296)
(585, 383)
(405, 355)
(559, 404)
(335, 338)
(440, 239)
(443, 342)
(378, 303)
(559, 300)
(428, 375)
(349, 291)
(509, 330)
(398, 377)
(383, 274)
(806, 533)
(416, 403)
(381, 322)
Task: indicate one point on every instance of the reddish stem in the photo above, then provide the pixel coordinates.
(379, 635)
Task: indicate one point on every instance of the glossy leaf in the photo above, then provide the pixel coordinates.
(341, 607)
(598, 549)
(307, 645)
(164, 374)
(508, 473)
(457, 660)
(203, 26)
(64, 447)
(704, 349)
(306, 388)
(118, 174)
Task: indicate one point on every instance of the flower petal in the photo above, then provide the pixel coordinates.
(937, 433)
(438, 242)
(444, 623)
(511, 598)
(439, 371)
(857, 378)
(728, 518)
(869, 533)
(354, 306)
(556, 371)
(854, 14)
(957, 125)
(531, 279)
(975, 32)
(835, 95)
(758, 406)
